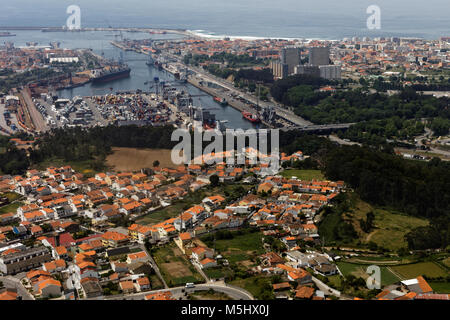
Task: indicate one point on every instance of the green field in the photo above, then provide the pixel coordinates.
(390, 227)
(440, 287)
(12, 196)
(208, 295)
(303, 174)
(216, 273)
(175, 267)
(429, 269)
(240, 248)
(359, 270)
(12, 207)
(155, 282)
(256, 286)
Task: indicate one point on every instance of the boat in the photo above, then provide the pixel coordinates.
(7, 34)
(221, 101)
(251, 117)
(111, 74)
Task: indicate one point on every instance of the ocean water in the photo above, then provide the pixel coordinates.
(323, 19)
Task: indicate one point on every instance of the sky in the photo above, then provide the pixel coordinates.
(230, 15)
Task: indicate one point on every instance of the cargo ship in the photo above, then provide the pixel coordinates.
(251, 117)
(222, 101)
(110, 74)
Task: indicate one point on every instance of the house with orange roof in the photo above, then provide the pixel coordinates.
(304, 292)
(8, 294)
(208, 263)
(140, 256)
(200, 253)
(54, 266)
(49, 288)
(184, 221)
(114, 239)
(127, 287)
(61, 252)
(418, 285)
(142, 284)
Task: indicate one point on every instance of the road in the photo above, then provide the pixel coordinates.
(326, 289)
(178, 292)
(342, 141)
(12, 282)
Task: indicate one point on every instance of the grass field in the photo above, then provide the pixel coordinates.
(254, 284)
(446, 262)
(175, 267)
(390, 227)
(209, 295)
(440, 287)
(12, 207)
(155, 282)
(359, 270)
(303, 174)
(241, 247)
(12, 196)
(429, 269)
(132, 159)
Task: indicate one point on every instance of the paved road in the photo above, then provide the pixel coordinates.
(12, 282)
(328, 290)
(232, 292)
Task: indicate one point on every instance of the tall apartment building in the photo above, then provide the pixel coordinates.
(330, 72)
(279, 70)
(24, 260)
(291, 57)
(319, 56)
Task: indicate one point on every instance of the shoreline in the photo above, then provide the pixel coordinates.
(203, 34)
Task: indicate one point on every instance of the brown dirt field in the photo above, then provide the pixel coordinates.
(177, 269)
(177, 252)
(133, 159)
(246, 263)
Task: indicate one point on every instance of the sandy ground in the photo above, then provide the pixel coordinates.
(131, 159)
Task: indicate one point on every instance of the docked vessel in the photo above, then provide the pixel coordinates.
(7, 34)
(110, 74)
(251, 117)
(222, 101)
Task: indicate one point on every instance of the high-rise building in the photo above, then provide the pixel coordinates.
(279, 69)
(308, 70)
(291, 57)
(319, 56)
(330, 72)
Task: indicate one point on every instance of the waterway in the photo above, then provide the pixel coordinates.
(99, 42)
